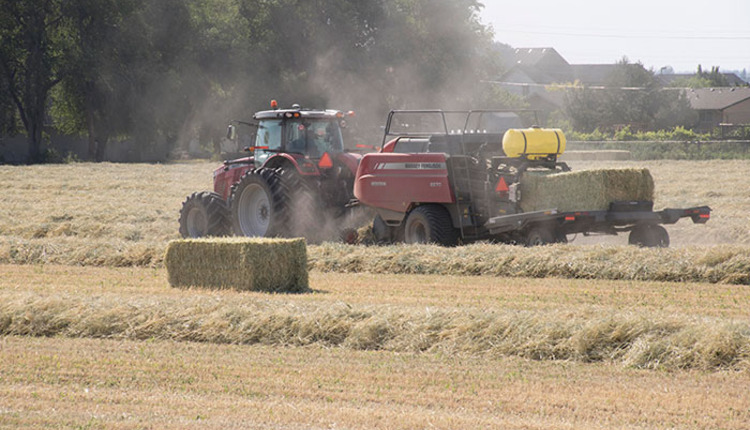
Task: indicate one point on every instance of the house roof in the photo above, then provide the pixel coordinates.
(732, 79)
(535, 57)
(717, 98)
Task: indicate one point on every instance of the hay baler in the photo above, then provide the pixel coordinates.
(447, 177)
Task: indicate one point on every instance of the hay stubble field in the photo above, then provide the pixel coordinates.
(88, 344)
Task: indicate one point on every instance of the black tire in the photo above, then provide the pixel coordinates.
(430, 224)
(649, 236)
(305, 217)
(259, 208)
(561, 237)
(204, 214)
(540, 235)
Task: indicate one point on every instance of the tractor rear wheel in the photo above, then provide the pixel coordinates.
(259, 208)
(430, 224)
(649, 236)
(204, 214)
(306, 217)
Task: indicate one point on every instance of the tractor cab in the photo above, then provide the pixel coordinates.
(298, 132)
(310, 137)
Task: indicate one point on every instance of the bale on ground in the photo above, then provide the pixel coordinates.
(584, 190)
(252, 264)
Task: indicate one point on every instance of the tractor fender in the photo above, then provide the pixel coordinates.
(303, 165)
(229, 174)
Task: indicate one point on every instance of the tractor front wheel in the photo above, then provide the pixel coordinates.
(204, 214)
(430, 224)
(258, 206)
(649, 236)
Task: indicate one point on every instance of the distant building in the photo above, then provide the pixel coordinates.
(715, 106)
(534, 69)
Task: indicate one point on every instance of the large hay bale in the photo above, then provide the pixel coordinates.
(585, 189)
(253, 264)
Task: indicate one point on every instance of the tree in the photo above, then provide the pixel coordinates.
(631, 97)
(702, 79)
(8, 120)
(162, 72)
(32, 60)
(89, 101)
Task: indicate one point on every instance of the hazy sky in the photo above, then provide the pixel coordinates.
(677, 33)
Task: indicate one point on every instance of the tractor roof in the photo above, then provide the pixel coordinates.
(298, 112)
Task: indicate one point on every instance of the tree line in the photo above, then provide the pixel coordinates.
(169, 70)
(164, 72)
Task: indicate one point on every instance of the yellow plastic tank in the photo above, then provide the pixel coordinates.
(534, 143)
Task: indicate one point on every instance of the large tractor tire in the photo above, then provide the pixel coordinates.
(259, 208)
(430, 224)
(649, 236)
(306, 217)
(204, 214)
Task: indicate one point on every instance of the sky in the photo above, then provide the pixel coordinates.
(658, 33)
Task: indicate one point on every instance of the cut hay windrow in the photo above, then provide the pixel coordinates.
(273, 265)
(729, 265)
(715, 264)
(642, 340)
(584, 190)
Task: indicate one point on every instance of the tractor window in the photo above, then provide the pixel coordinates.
(313, 138)
(269, 135)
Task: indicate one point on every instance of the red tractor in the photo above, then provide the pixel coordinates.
(297, 182)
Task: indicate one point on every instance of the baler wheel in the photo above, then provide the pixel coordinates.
(204, 214)
(430, 224)
(649, 236)
(258, 206)
(540, 235)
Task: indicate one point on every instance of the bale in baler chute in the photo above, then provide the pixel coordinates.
(584, 190)
(251, 264)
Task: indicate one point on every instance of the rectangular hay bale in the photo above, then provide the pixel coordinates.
(584, 190)
(251, 264)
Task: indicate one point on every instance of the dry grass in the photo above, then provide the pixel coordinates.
(714, 264)
(679, 335)
(640, 340)
(93, 384)
(99, 214)
(456, 351)
(124, 214)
